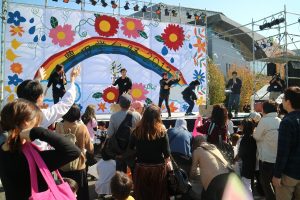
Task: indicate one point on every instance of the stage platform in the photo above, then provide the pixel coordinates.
(170, 122)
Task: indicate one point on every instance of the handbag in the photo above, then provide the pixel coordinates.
(54, 192)
(178, 181)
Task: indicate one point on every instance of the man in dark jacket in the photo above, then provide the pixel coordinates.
(234, 84)
(286, 176)
(124, 83)
(164, 93)
(189, 96)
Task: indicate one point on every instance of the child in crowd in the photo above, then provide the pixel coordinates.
(106, 169)
(247, 153)
(89, 119)
(73, 185)
(230, 123)
(234, 139)
(121, 186)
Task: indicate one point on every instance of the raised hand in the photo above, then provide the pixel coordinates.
(74, 73)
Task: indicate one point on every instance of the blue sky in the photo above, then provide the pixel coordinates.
(239, 11)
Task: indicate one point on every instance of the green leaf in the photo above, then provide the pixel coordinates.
(143, 34)
(53, 22)
(97, 95)
(159, 38)
(96, 15)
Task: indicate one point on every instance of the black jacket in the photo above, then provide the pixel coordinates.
(235, 87)
(163, 83)
(189, 93)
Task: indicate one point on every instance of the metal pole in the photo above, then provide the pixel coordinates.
(3, 23)
(286, 49)
(253, 66)
(206, 52)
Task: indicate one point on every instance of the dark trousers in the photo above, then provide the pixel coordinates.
(121, 165)
(57, 95)
(234, 102)
(215, 188)
(166, 99)
(191, 104)
(266, 174)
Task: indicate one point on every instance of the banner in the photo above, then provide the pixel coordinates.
(101, 44)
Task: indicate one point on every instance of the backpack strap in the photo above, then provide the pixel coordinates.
(128, 119)
(223, 161)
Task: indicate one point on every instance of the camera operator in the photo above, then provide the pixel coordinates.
(276, 87)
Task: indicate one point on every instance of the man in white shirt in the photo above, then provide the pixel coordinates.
(32, 90)
(266, 136)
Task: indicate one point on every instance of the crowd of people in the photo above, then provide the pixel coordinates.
(138, 153)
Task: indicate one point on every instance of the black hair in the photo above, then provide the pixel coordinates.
(58, 67)
(73, 114)
(293, 95)
(269, 106)
(30, 90)
(234, 72)
(120, 186)
(123, 69)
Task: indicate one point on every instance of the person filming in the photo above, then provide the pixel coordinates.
(276, 87)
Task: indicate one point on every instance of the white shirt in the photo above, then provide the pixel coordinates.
(106, 170)
(266, 136)
(230, 127)
(56, 111)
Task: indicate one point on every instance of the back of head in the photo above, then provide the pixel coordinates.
(150, 127)
(255, 116)
(137, 105)
(14, 117)
(121, 186)
(293, 95)
(234, 139)
(181, 123)
(125, 101)
(73, 114)
(30, 90)
(269, 106)
(88, 114)
(198, 140)
(248, 127)
(72, 183)
(219, 115)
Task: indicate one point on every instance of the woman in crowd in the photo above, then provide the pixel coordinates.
(215, 126)
(153, 152)
(213, 169)
(89, 119)
(20, 119)
(247, 153)
(71, 125)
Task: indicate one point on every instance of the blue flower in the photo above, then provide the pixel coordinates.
(14, 80)
(80, 106)
(185, 107)
(200, 76)
(15, 18)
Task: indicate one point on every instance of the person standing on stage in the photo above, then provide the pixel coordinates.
(58, 81)
(124, 83)
(164, 93)
(234, 84)
(189, 96)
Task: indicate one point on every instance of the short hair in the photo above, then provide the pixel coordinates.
(234, 72)
(72, 183)
(73, 114)
(293, 95)
(30, 90)
(101, 123)
(58, 67)
(269, 106)
(120, 186)
(123, 69)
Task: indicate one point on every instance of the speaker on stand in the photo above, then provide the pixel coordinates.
(293, 73)
(271, 69)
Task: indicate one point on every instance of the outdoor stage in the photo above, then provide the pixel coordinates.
(170, 122)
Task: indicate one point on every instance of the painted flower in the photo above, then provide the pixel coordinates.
(200, 45)
(62, 35)
(15, 18)
(16, 30)
(172, 106)
(14, 80)
(131, 27)
(138, 92)
(185, 106)
(199, 75)
(173, 36)
(106, 26)
(16, 68)
(110, 94)
(201, 101)
(102, 106)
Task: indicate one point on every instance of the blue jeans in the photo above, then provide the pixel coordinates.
(234, 102)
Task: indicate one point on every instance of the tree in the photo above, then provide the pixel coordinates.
(216, 83)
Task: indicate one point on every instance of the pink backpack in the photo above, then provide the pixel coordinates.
(54, 192)
(198, 122)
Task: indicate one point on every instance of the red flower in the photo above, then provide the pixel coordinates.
(106, 26)
(110, 94)
(173, 36)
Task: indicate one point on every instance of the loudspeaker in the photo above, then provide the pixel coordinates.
(294, 69)
(271, 69)
(294, 82)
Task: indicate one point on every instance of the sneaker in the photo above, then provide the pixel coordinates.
(169, 117)
(186, 114)
(192, 113)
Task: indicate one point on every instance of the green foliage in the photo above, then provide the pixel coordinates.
(216, 83)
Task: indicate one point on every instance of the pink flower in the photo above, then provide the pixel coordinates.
(62, 35)
(131, 27)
